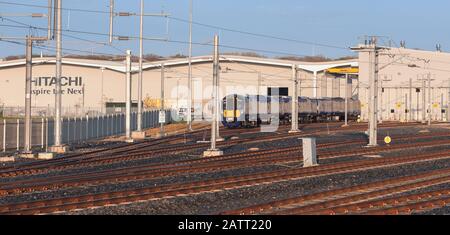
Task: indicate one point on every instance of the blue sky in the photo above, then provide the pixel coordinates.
(338, 23)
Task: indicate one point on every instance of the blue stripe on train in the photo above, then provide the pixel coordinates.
(231, 124)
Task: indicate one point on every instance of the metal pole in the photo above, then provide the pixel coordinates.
(448, 102)
(58, 74)
(217, 100)
(68, 129)
(49, 20)
(178, 92)
(373, 97)
(75, 129)
(315, 84)
(190, 83)
(417, 105)
(442, 106)
(111, 19)
(397, 100)
(82, 108)
(29, 53)
(215, 95)
(102, 95)
(294, 103)
(18, 135)
(87, 128)
(429, 99)
(4, 135)
(141, 54)
(161, 130)
(258, 96)
(98, 127)
(42, 133)
(346, 100)
(55, 18)
(410, 100)
(46, 134)
(424, 111)
(108, 125)
(380, 109)
(128, 96)
(406, 107)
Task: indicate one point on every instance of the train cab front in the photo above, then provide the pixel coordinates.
(231, 117)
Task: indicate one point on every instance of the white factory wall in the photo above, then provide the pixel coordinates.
(397, 67)
(235, 77)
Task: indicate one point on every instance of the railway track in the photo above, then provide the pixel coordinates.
(183, 189)
(406, 204)
(126, 154)
(351, 200)
(228, 162)
(415, 203)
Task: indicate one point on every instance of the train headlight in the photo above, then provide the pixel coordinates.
(230, 119)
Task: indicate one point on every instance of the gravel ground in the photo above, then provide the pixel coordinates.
(439, 211)
(213, 203)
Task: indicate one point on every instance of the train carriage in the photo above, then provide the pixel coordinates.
(253, 110)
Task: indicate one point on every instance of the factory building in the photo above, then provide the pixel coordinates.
(403, 89)
(97, 86)
(94, 86)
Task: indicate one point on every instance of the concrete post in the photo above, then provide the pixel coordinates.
(215, 94)
(58, 122)
(214, 151)
(190, 82)
(128, 97)
(111, 20)
(346, 101)
(218, 98)
(309, 152)
(294, 103)
(58, 101)
(28, 122)
(373, 98)
(141, 54)
(49, 20)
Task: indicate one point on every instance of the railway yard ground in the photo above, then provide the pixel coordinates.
(259, 173)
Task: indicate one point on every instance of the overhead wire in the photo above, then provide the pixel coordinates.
(195, 23)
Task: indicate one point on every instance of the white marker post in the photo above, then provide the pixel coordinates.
(309, 152)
